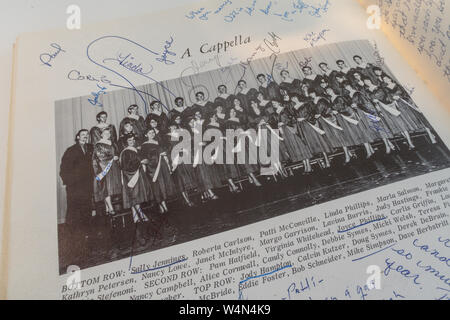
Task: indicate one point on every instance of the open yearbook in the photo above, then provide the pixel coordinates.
(248, 149)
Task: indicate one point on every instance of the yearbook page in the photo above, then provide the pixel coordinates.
(230, 150)
(420, 30)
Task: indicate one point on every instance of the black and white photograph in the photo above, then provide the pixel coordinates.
(341, 120)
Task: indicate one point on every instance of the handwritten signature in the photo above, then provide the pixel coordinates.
(96, 96)
(46, 58)
(128, 61)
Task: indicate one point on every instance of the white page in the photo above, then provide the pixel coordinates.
(33, 244)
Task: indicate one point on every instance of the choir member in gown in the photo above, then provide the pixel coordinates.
(158, 169)
(354, 134)
(309, 128)
(290, 84)
(343, 68)
(241, 113)
(407, 107)
(379, 75)
(364, 68)
(201, 104)
(357, 82)
(208, 178)
(135, 188)
(180, 110)
(328, 122)
(96, 132)
(108, 181)
(245, 94)
(157, 113)
(374, 124)
(287, 122)
(224, 99)
(183, 172)
(311, 79)
(242, 144)
(128, 128)
(270, 90)
(137, 122)
(393, 117)
(330, 76)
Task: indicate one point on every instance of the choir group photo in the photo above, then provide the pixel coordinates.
(340, 120)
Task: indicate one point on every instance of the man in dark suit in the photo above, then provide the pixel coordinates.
(78, 177)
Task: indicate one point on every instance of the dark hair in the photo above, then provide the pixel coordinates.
(240, 81)
(311, 90)
(100, 114)
(366, 78)
(132, 107)
(77, 136)
(148, 130)
(306, 67)
(356, 56)
(129, 136)
(200, 92)
(222, 85)
(339, 61)
(178, 99)
(154, 102)
(260, 75)
(323, 63)
(284, 70)
(377, 69)
(347, 83)
(296, 95)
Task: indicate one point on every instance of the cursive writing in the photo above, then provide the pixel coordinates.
(46, 58)
(96, 96)
(167, 52)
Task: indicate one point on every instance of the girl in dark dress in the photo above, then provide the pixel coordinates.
(245, 94)
(242, 144)
(224, 99)
(373, 123)
(207, 177)
(308, 127)
(396, 122)
(128, 128)
(226, 171)
(407, 107)
(241, 113)
(108, 180)
(365, 69)
(135, 188)
(329, 123)
(180, 110)
(96, 132)
(157, 114)
(183, 172)
(268, 135)
(136, 121)
(287, 122)
(311, 79)
(354, 134)
(158, 169)
(201, 104)
(357, 82)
